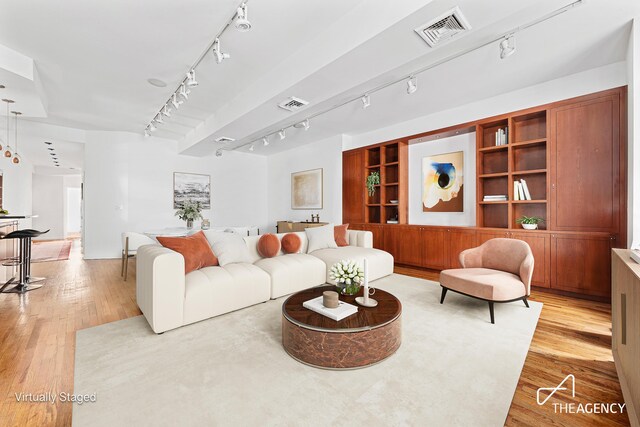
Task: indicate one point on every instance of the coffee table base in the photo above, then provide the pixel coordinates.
(348, 350)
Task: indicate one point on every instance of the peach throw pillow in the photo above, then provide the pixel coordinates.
(291, 243)
(195, 249)
(340, 234)
(268, 245)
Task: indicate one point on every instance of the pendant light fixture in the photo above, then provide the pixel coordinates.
(7, 152)
(16, 156)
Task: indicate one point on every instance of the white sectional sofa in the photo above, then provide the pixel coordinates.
(169, 299)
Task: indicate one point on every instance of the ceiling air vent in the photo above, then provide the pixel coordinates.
(224, 140)
(444, 27)
(292, 103)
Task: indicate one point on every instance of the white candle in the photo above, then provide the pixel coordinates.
(366, 282)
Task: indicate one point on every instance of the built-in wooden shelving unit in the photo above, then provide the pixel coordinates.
(390, 160)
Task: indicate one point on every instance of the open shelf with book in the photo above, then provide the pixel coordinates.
(511, 167)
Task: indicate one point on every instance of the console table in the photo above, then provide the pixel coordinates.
(625, 318)
(289, 226)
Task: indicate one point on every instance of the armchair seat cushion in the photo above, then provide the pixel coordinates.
(485, 283)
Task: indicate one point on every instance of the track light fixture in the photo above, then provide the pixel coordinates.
(252, 147)
(265, 141)
(166, 111)
(175, 101)
(282, 134)
(302, 125)
(218, 153)
(242, 18)
(366, 100)
(507, 46)
(184, 93)
(152, 127)
(146, 132)
(412, 85)
(218, 53)
(158, 119)
(191, 78)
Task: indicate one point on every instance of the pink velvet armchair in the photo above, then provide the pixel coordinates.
(499, 270)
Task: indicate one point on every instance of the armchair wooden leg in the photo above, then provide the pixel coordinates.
(444, 292)
(491, 312)
(126, 258)
(122, 265)
(525, 301)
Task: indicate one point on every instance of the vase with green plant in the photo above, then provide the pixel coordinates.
(529, 222)
(190, 211)
(372, 180)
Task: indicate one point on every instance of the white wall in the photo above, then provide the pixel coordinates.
(417, 152)
(325, 154)
(633, 74)
(595, 80)
(49, 201)
(128, 186)
(16, 187)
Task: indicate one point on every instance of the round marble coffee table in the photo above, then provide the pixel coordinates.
(362, 339)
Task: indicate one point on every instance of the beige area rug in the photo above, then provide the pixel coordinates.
(50, 250)
(454, 368)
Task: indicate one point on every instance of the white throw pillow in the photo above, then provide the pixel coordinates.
(320, 238)
(229, 248)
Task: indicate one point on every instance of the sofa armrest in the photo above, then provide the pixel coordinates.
(362, 239)
(160, 287)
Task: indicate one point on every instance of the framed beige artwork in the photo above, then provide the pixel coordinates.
(306, 189)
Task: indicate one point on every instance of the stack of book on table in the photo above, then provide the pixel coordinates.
(520, 190)
(495, 198)
(340, 312)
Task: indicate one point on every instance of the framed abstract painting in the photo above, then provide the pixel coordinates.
(443, 182)
(191, 186)
(306, 189)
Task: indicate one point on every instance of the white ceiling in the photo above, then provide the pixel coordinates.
(94, 59)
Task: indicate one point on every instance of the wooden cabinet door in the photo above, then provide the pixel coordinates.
(540, 244)
(376, 229)
(581, 263)
(457, 241)
(404, 243)
(483, 236)
(353, 189)
(585, 166)
(434, 248)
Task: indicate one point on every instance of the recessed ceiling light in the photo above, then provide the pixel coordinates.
(156, 82)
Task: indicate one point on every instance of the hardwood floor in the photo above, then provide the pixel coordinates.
(37, 332)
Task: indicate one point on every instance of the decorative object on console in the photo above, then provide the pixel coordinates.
(340, 235)
(268, 245)
(291, 243)
(348, 276)
(205, 224)
(306, 189)
(230, 248)
(321, 237)
(330, 299)
(530, 222)
(193, 187)
(442, 183)
(195, 249)
(364, 300)
(189, 211)
(372, 180)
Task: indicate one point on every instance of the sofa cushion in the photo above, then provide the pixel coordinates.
(320, 238)
(340, 235)
(380, 262)
(484, 283)
(291, 243)
(293, 272)
(195, 249)
(229, 248)
(212, 291)
(268, 245)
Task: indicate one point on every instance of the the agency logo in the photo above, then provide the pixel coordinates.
(566, 388)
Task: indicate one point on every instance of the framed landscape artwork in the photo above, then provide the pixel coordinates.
(191, 186)
(442, 183)
(306, 189)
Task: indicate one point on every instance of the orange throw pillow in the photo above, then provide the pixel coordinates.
(291, 243)
(340, 235)
(268, 245)
(195, 249)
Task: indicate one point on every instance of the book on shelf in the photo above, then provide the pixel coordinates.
(342, 311)
(525, 188)
(516, 190)
(495, 198)
(502, 136)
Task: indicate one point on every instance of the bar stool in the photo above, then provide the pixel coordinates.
(22, 261)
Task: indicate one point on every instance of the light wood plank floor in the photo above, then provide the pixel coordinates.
(37, 332)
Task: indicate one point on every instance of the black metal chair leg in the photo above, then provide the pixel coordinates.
(525, 301)
(491, 312)
(444, 292)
